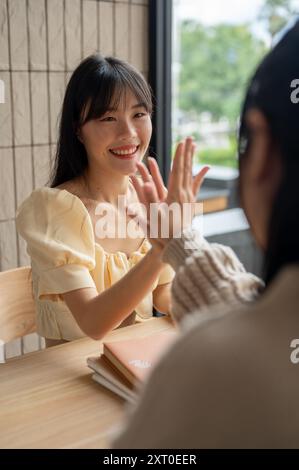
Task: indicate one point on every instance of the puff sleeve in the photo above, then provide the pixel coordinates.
(60, 241)
(166, 275)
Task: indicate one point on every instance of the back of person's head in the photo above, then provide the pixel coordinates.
(97, 85)
(272, 92)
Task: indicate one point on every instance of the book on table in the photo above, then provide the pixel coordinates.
(124, 365)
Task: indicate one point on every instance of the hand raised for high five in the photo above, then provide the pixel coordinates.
(182, 190)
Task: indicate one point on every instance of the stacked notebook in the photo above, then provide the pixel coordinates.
(125, 365)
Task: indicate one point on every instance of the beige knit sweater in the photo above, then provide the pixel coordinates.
(207, 274)
(228, 382)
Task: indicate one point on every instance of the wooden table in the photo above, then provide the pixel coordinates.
(48, 399)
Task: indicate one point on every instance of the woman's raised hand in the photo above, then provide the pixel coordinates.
(166, 208)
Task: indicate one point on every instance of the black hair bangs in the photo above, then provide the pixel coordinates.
(108, 89)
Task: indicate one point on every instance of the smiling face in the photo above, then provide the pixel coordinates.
(119, 138)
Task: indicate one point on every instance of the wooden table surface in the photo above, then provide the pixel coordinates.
(48, 399)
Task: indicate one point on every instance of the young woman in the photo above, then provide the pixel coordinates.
(232, 379)
(84, 283)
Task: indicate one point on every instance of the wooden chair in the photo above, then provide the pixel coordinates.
(17, 308)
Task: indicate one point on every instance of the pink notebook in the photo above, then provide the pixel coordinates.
(135, 358)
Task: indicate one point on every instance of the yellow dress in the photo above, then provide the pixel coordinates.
(64, 256)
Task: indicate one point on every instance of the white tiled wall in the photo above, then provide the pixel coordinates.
(41, 42)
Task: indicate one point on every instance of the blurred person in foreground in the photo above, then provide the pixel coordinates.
(230, 381)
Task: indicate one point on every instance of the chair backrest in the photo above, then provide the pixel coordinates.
(17, 307)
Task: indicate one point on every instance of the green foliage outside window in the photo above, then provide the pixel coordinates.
(219, 156)
(216, 64)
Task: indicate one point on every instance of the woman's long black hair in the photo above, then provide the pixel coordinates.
(270, 91)
(97, 84)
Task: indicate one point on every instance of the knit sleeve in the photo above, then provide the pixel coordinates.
(206, 274)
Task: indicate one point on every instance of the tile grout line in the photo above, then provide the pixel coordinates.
(114, 28)
(48, 75)
(114, 32)
(65, 77)
(12, 116)
(98, 27)
(26, 145)
(10, 219)
(81, 16)
(64, 41)
(129, 32)
(30, 92)
(33, 70)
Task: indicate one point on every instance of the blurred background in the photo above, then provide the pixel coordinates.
(217, 46)
(197, 55)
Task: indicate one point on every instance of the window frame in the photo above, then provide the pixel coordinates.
(160, 80)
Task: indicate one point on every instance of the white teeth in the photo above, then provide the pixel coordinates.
(124, 152)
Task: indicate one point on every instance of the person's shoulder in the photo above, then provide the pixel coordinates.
(72, 186)
(75, 189)
(45, 197)
(34, 199)
(213, 336)
(53, 205)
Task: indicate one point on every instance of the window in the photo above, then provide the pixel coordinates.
(216, 47)
(202, 54)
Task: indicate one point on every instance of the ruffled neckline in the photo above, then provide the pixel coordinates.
(143, 248)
